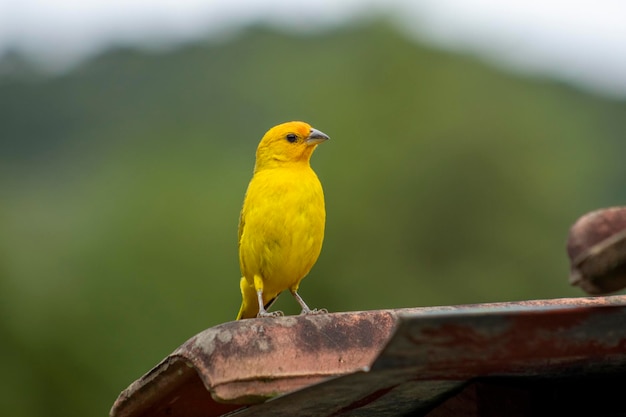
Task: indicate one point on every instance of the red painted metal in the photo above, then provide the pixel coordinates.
(379, 363)
(596, 247)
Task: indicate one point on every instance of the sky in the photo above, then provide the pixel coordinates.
(582, 42)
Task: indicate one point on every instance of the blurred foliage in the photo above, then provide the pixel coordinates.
(447, 181)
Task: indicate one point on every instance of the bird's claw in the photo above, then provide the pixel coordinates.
(270, 314)
(313, 312)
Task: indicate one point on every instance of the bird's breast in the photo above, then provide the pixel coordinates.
(283, 225)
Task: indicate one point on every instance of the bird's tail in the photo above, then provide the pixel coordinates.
(249, 304)
(244, 313)
(248, 311)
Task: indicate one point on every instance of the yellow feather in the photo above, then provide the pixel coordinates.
(281, 226)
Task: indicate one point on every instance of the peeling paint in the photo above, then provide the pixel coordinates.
(367, 363)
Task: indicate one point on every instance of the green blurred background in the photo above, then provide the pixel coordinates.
(447, 181)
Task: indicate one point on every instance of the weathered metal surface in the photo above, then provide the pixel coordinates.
(595, 394)
(381, 363)
(528, 338)
(435, 351)
(597, 250)
(250, 361)
(172, 388)
(372, 394)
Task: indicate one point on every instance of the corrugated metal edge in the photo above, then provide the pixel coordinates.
(248, 360)
(435, 351)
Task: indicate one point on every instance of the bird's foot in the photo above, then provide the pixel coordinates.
(270, 314)
(315, 311)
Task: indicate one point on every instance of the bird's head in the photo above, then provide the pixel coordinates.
(291, 142)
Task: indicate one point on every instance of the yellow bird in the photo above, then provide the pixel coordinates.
(281, 226)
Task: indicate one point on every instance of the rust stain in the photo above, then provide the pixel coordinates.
(453, 346)
(249, 361)
(596, 247)
(362, 402)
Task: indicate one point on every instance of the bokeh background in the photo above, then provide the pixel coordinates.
(467, 136)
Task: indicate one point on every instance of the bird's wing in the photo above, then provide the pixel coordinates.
(242, 222)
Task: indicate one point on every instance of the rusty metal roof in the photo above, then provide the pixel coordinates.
(386, 362)
(596, 247)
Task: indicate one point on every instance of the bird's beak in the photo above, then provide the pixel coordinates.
(316, 137)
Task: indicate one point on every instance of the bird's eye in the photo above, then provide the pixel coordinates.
(292, 137)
